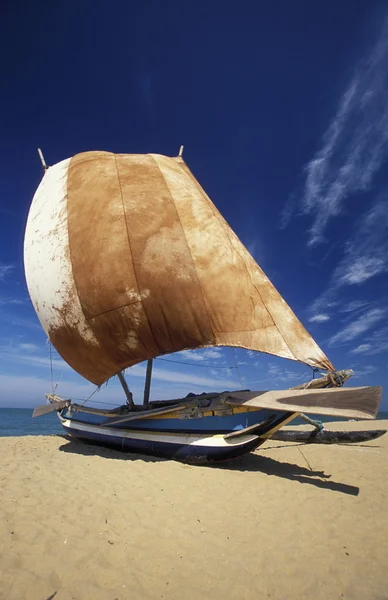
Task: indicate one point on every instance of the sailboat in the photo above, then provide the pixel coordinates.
(127, 259)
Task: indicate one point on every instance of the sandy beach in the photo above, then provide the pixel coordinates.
(288, 521)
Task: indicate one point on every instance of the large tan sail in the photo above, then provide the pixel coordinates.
(127, 258)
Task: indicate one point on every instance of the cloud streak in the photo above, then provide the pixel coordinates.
(354, 306)
(373, 344)
(31, 359)
(364, 323)
(15, 301)
(5, 270)
(363, 371)
(319, 318)
(365, 256)
(354, 145)
(366, 253)
(137, 371)
(361, 349)
(181, 377)
(200, 355)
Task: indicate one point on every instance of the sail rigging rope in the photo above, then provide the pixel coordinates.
(83, 401)
(54, 388)
(236, 367)
(51, 366)
(181, 362)
(92, 394)
(315, 371)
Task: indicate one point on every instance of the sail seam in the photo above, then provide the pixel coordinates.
(104, 312)
(188, 247)
(222, 224)
(130, 248)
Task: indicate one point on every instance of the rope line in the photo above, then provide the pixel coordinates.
(51, 367)
(181, 362)
(92, 394)
(236, 367)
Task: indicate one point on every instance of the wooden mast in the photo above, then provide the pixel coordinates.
(126, 389)
(147, 385)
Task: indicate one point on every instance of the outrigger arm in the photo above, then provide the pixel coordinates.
(336, 379)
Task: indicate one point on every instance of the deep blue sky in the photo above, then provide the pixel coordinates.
(282, 109)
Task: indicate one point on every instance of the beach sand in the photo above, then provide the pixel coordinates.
(286, 522)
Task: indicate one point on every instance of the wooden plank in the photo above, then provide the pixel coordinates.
(255, 429)
(133, 416)
(45, 409)
(353, 403)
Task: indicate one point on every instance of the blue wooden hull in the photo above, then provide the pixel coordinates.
(190, 440)
(204, 424)
(180, 451)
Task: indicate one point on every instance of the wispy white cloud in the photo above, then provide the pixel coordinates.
(377, 348)
(30, 390)
(16, 356)
(380, 335)
(29, 354)
(28, 347)
(362, 371)
(374, 343)
(354, 306)
(200, 355)
(354, 145)
(15, 301)
(27, 390)
(371, 349)
(225, 377)
(288, 211)
(363, 269)
(319, 318)
(212, 354)
(366, 253)
(254, 358)
(32, 360)
(278, 373)
(364, 323)
(180, 377)
(361, 349)
(365, 256)
(5, 270)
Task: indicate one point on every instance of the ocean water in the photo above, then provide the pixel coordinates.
(18, 421)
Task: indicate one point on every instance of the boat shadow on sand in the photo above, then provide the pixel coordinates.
(247, 463)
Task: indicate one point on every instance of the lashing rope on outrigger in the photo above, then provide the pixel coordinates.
(334, 379)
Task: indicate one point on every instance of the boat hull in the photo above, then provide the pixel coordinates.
(196, 448)
(191, 420)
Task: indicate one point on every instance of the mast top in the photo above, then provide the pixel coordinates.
(42, 160)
